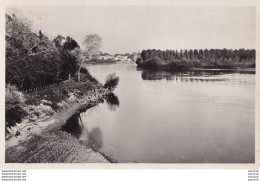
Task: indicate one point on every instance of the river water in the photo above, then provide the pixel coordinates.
(163, 117)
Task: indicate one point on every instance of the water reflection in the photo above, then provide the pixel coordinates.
(92, 138)
(73, 125)
(95, 139)
(187, 76)
(198, 121)
(112, 101)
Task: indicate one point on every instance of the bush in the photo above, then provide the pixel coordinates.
(45, 109)
(14, 115)
(13, 95)
(139, 61)
(14, 103)
(32, 101)
(152, 63)
(111, 81)
(85, 76)
(84, 70)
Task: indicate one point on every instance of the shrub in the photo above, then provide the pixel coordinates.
(12, 95)
(84, 70)
(46, 109)
(14, 115)
(14, 103)
(86, 76)
(32, 101)
(139, 61)
(111, 81)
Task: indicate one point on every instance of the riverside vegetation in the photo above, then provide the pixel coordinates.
(199, 59)
(46, 81)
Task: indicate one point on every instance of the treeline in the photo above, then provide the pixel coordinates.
(33, 60)
(204, 59)
(206, 54)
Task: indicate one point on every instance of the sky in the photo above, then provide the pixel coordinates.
(135, 28)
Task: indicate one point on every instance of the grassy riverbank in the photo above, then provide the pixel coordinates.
(40, 137)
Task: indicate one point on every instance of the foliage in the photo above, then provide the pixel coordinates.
(29, 57)
(212, 59)
(86, 76)
(111, 81)
(92, 45)
(102, 61)
(70, 44)
(32, 59)
(59, 41)
(68, 66)
(212, 54)
(14, 101)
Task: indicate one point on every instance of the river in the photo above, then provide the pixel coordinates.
(163, 117)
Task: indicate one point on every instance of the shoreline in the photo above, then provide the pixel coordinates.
(251, 70)
(236, 70)
(44, 134)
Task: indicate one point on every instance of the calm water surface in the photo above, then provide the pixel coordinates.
(162, 117)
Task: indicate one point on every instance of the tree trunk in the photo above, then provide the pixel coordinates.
(79, 69)
(79, 72)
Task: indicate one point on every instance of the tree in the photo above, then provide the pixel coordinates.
(32, 59)
(40, 35)
(59, 41)
(196, 53)
(201, 54)
(186, 53)
(28, 56)
(92, 45)
(191, 54)
(143, 54)
(206, 53)
(70, 44)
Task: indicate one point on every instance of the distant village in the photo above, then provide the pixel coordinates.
(116, 58)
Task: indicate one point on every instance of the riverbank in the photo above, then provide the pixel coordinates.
(43, 141)
(156, 63)
(46, 143)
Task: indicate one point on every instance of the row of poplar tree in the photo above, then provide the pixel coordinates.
(212, 54)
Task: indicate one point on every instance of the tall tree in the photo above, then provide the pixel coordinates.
(196, 53)
(186, 53)
(59, 41)
(206, 53)
(201, 56)
(92, 45)
(191, 54)
(70, 44)
(28, 56)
